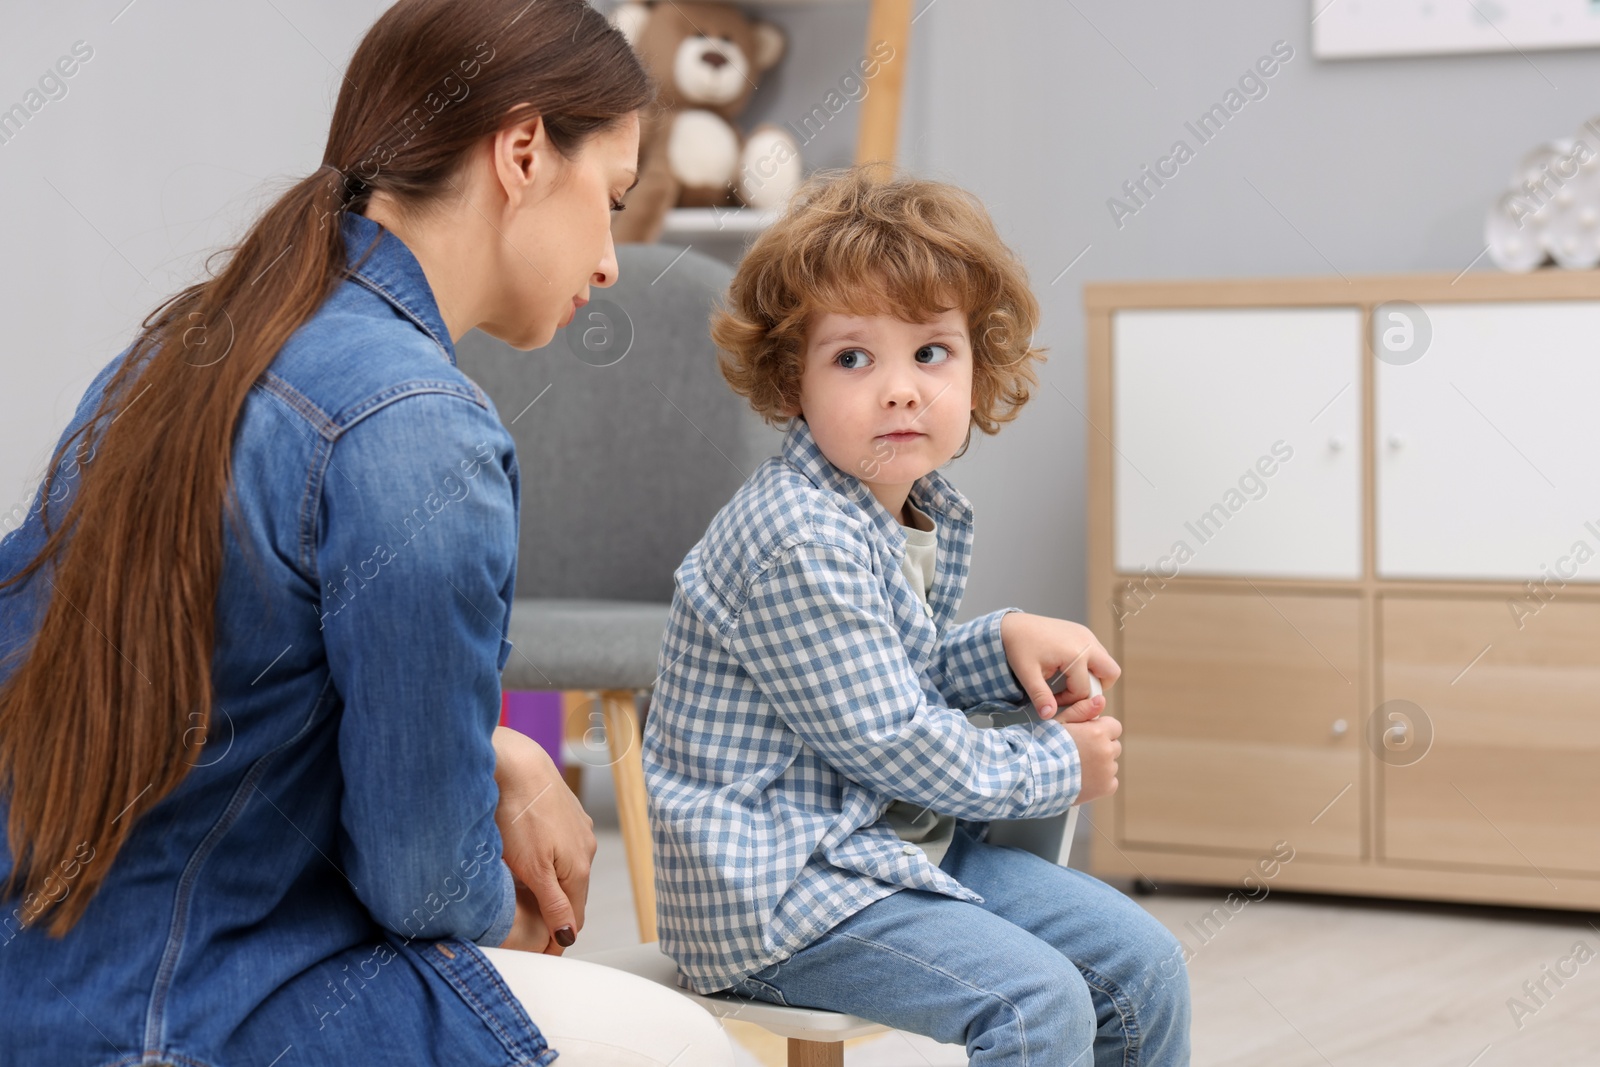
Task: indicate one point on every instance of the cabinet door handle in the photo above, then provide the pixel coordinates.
(1395, 442)
(1340, 727)
(1335, 443)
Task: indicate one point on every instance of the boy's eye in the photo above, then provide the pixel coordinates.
(618, 205)
(851, 358)
(933, 353)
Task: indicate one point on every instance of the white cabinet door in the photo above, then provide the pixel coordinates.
(1238, 441)
(1488, 444)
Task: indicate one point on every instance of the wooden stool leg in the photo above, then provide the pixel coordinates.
(633, 810)
(815, 1053)
(575, 705)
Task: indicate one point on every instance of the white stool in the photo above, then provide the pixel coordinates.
(816, 1037)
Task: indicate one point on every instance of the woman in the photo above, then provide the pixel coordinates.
(257, 809)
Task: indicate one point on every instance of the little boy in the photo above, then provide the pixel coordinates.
(819, 802)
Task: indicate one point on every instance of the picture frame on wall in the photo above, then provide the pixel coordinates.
(1353, 29)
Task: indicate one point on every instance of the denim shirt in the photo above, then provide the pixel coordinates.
(315, 889)
(803, 688)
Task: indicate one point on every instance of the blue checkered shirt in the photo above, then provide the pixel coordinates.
(803, 688)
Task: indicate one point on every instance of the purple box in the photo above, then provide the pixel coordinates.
(537, 713)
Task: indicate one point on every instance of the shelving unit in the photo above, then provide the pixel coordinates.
(1339, 577)
(877, 140)
(716, 221)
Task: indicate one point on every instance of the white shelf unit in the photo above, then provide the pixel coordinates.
(716, 221)
(888, 20)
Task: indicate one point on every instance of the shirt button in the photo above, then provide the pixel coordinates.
(928, 608)
(909, 850)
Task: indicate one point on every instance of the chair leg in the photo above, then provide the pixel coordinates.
(815, 1053)
(575, 708)
(633, 808)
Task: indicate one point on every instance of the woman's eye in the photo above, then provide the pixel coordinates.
(618, 205)
(934, 354)
(844, 359)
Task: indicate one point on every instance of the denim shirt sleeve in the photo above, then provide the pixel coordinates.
(817, 636)
(500, 927)
(970, 667)
(416, 554)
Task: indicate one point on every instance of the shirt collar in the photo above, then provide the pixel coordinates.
(392, 271)
(932, 493)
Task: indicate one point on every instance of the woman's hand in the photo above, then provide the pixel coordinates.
(1037, 647)
(548, 839)
(529, 932)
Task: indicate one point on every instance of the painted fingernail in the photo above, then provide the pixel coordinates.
(565, 937)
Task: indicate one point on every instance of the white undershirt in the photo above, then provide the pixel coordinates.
(922, 552)
(913, 823)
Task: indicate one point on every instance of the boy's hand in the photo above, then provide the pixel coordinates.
(1037, 647)
(1098, 752)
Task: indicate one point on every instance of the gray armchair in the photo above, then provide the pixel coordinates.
(628, 442)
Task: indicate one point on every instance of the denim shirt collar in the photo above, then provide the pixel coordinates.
(932, 493)
(381, 261)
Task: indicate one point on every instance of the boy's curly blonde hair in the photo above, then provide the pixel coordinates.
(864, 242)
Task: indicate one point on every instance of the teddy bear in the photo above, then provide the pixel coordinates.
(705, 59)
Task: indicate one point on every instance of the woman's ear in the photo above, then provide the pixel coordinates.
(519, 156)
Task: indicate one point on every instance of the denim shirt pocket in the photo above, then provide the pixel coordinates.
(479, 984)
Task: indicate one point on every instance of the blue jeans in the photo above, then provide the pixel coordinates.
(1054, 968)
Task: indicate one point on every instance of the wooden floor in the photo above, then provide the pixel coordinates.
(1292, 979)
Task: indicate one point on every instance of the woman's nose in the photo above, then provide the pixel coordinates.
(606, 274)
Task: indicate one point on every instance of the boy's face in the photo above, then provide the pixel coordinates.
(887, 400)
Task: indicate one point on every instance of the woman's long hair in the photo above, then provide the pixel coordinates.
(104, 716)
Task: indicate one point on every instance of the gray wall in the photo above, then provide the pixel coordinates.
(187, 120)
(190, 114)
(1357, 167)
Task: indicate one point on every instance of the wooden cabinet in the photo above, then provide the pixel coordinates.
(1385, 653)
